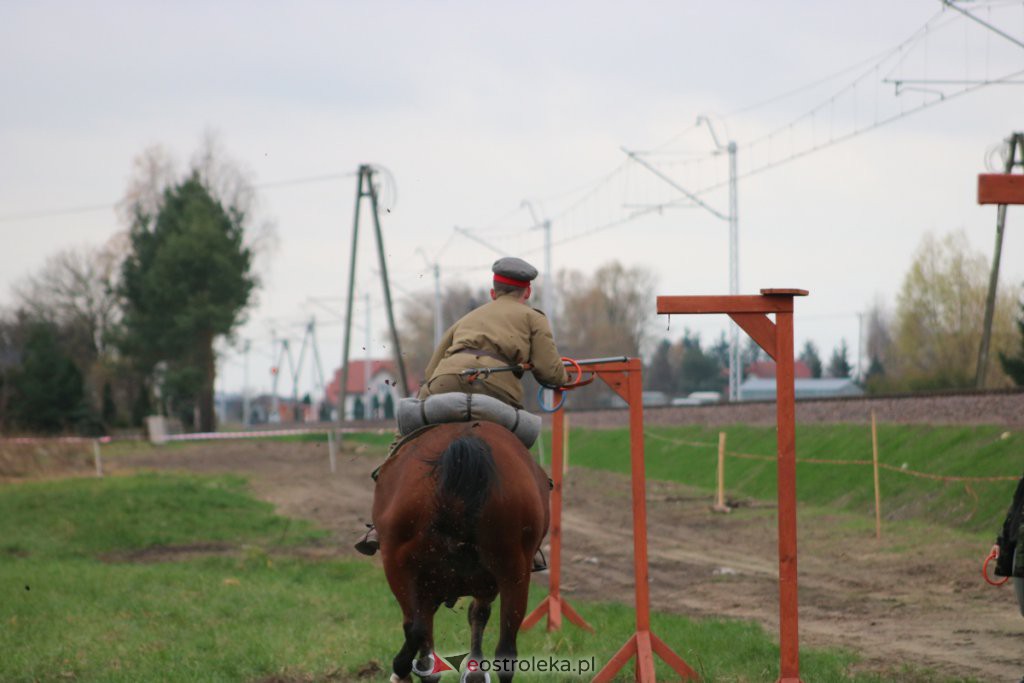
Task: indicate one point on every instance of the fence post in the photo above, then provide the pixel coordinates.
(97, 458)
(331, 449)
(878, 493)
(720, 505)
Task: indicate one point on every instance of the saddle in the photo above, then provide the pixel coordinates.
(414, 414)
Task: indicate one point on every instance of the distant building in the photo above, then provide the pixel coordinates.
(261, 410)
(765, 369)
(371, 387)
(762, 389)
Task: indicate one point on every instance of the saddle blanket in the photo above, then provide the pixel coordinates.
(414, 413)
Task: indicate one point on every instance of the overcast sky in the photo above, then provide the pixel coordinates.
(474, 107)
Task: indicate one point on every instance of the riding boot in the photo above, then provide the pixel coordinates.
(370, 543)
(540, 563)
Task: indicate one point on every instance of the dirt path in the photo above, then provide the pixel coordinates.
(916, 597)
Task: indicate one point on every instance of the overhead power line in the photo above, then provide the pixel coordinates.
(110, 206)
(854, 107)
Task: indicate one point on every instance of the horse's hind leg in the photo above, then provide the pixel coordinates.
(515, 592)
(419, 638)
(423, 626)
(401, 665)
(479, 613)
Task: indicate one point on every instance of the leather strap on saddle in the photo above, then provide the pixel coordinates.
(488, 354)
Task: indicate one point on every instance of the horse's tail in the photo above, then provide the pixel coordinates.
(466, 474)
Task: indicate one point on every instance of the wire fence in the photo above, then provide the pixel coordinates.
(721, 506)
(831, 461)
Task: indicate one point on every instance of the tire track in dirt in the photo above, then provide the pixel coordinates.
(925, 604)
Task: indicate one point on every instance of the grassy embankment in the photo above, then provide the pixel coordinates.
(689, 455)
(671, 454)
(87, 594)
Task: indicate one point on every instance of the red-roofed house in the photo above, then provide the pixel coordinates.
(369, 384)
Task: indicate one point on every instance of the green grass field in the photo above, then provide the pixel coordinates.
(77, 604)
(947, 450)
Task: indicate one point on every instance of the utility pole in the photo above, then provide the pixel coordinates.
(274, 370)
(548, 293)
(733, 218)
(368, 359)
(860, 345)
(435, 267)
(245, 383)
(316, 355)
(1015, 140)
(735, 369)
(297, 373)
(286, 346)
(366, 188)
(438, 323)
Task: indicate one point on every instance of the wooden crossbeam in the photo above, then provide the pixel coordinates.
(1001, 188)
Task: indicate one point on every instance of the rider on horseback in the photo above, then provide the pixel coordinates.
(502, 332)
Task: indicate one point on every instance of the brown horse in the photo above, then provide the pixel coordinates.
(461, 510)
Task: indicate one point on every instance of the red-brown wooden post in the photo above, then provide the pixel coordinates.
(776, 338)
(785, 416)
(627, 381)
(554, 605)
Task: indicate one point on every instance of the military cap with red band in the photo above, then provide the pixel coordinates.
(514, 272)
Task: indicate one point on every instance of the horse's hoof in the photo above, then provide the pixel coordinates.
(475, 677)
(396, 679)
(426, 668)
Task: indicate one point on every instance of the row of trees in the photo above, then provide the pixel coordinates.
(602, 313)
(929, 341)
(685, 366)
(607, 313)
(102, 337)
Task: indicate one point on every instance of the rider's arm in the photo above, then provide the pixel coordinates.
(544, 356)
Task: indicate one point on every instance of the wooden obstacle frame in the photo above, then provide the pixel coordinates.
(625, 379)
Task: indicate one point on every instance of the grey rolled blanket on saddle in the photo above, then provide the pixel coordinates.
(414, 413)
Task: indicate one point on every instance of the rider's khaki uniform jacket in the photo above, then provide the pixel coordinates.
(506, 332)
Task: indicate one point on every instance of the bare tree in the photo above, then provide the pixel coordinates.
(75, 290)
(417, 325)
(152, 171)
(606, 313)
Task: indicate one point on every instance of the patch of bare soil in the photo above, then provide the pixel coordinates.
(44, 459)
(915, 597)
(170, 553)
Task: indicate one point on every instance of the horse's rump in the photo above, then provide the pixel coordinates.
(461, 484)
